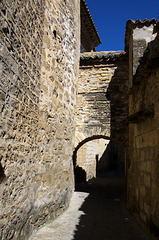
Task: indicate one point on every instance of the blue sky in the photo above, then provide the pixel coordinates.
(110, 19)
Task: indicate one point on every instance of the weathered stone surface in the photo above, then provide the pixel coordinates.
(40, 55)
(38, 90)
(143, 181)
(102, 108)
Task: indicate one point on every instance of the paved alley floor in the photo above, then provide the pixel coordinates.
(97, 212)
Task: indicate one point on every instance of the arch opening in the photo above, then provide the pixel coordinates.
(97, 155)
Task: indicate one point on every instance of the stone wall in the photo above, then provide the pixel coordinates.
(40, 55)
(143, 167)
(102, 103)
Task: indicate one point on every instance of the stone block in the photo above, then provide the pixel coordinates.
(47, 180)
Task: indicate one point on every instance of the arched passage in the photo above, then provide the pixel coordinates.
(97, 157)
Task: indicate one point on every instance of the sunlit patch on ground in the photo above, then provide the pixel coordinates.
(64, 226)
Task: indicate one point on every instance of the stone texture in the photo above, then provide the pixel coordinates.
(101, 108)
(143, 169)
(38, 89)
(40, 54)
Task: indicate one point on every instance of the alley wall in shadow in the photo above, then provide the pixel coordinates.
(112, 159)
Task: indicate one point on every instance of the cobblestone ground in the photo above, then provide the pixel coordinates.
(97, 212)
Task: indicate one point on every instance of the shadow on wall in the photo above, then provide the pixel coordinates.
(118, 94)
(113, 158)
(80, 174)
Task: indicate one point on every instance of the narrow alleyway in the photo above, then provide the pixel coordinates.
(97, 212)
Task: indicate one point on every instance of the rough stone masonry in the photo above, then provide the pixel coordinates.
(142, 40)
(40, 42)
(102, 110)
(39, 70)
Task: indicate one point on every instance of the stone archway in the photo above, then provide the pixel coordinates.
(95, 155)
(102, 104)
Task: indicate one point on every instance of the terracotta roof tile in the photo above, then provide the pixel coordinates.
(101, 55)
